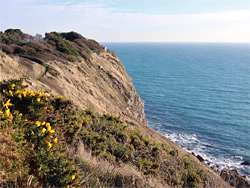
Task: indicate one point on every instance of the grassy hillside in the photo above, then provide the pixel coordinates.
(48, 141)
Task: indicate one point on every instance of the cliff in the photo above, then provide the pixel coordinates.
(99, 149)
(98, 81)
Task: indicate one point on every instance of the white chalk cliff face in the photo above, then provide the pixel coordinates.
(100, 83)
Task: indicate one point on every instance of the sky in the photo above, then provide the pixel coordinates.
(132, 20)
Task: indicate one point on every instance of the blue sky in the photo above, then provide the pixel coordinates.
(133, 20)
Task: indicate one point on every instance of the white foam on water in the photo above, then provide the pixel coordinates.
(191, 143)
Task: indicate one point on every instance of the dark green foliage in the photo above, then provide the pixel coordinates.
(187, 163)
(53, 36)
(9, 38)
(62, 45)
(114, 140)
(172, 152)
(13, 31)
(72, 36)
(67, 48)
(52, 43)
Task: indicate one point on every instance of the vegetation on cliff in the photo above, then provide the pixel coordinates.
(55, 46)
(40, 136)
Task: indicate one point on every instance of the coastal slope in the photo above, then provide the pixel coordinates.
(95, 80)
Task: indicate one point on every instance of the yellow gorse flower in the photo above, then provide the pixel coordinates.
(38, 99)
(47, 125)
(73, 177)
(49, 144)
(25, 93)
(43, 130)
(55, 140)
(20, 115)
(51, 131)
(1, 112)
(19, 96)
(38, 123)
(49, 128)
(32, 94)
(8, 103)
(7, 112)
(13, 86)
(43, 123)
(10, 92)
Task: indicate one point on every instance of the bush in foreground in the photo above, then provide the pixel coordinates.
(38, 130)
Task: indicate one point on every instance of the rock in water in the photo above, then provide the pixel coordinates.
(200, 158)
(234, 178)
(245, 163)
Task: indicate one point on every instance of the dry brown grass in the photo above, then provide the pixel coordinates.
(100, 170)
(11, 173)
(8, 154)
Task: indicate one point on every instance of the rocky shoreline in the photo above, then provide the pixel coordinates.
(231, 176)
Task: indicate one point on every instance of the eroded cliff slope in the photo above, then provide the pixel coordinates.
(95, 80)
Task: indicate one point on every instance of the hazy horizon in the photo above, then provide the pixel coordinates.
(170, 42)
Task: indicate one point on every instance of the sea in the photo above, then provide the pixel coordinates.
(196, 94)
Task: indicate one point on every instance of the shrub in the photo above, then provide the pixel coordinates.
(71, 36)
(38, 130)
(38, 148)
(13, 31)
(172, 152)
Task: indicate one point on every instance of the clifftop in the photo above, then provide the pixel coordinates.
(72, 66)
(86, 148)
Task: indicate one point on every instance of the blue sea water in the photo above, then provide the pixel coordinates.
(196, 94)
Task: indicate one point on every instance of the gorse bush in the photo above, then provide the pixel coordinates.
(36, 130)
(38, 147)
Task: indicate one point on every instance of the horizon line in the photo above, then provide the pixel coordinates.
(170, 42)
